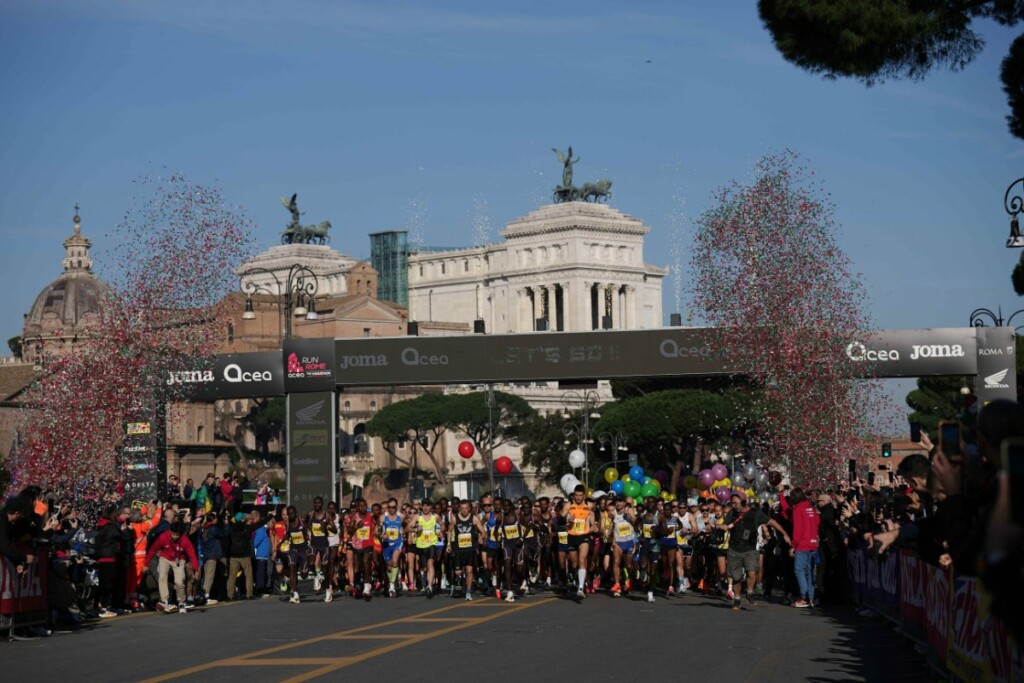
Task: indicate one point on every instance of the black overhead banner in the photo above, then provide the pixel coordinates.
(611, 354)
(235, 375)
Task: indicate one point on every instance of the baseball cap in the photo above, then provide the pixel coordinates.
(598, 494)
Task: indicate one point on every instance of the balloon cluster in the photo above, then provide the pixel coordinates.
(636, 484)
(751, 482)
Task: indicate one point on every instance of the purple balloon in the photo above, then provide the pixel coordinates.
(720, 471)
(706, 477)
(662, 477)
(723, 493)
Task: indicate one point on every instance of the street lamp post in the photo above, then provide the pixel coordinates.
(589, 401)
(298, 290)
(617, 442)
(1013, 206)
(979, 315)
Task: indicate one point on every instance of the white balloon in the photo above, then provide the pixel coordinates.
(571, 484)
(577, 458)
(564, 481)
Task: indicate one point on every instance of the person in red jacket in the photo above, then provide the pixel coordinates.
(172, 548)
(805, 519)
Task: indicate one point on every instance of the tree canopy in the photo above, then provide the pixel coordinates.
(878, 40)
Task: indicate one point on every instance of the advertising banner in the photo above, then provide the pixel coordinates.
(997, 364)
(312, 460)
(965, 656)
(141, 454)
(912, 590)
(234, 375)
(936, 606)
(610, 354)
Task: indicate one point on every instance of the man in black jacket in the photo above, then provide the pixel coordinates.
(240, 552)
(16, 510)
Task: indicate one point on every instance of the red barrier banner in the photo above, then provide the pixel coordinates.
(1003, 654)
(966, 654)
(936, 606)
(912, 591)
(25, 593)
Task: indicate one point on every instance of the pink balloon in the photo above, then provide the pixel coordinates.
(720, 471)
(723, 494)
(706, 477)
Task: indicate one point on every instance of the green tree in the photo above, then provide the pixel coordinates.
(420, 421)
(14, 344)
(266, 420)
(468, 414)
(877, 40)
(935, 399)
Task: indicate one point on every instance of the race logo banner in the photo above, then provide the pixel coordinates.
(309, 365)
(142, 457)
(312, 460)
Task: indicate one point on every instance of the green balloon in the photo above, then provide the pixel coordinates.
(649, 491)
(632, 489)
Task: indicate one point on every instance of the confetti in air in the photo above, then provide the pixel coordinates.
(770, 277)
(166, 311)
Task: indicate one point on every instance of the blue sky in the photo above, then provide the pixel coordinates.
(440, 117)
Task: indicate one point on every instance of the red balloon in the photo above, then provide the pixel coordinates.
(466, 449)
(503, 465)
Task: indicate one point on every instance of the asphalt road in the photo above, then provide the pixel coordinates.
(540, 637)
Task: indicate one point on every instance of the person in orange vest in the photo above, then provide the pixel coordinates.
(140, 527)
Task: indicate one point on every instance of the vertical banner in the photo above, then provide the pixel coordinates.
(997, 364)
(912, 589)
(312, 461)
(965, 656)
(143, 456)
(23, 599)
(936, 607)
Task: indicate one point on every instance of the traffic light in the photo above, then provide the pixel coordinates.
(887, 450)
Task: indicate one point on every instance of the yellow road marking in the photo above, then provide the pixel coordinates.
(419, 620)
(335, 663)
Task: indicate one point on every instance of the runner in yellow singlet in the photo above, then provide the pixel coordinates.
(581, 524)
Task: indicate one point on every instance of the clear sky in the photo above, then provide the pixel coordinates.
(440, 117)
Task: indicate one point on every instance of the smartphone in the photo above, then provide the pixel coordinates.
(949, 440)
(852, 468)
(871, 478)
(915, 431)
(1013, 465)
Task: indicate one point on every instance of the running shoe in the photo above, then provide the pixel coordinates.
(684, 585)
(547, 583)
(580, 594)
(497, 593)
(511, 597)
(182, 609)
(328, 595)
(391, 590)
(444, 582)
(294, 599)
(429, 590)
(469, 596)
(801, 603)
(670, 591)
(317, 583)
(596, 584)
(107, 614)
(629, 585)
(616, 591)
(211, 601)
(736, 605)
(161, 607)
(750, 600)
(650, 596)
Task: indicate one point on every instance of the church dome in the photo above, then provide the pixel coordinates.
(66, 306)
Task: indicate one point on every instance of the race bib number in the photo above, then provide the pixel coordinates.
(392, 534)
(563, 537)
(285, 545)
(363, 533)
(298, 538)
(647, 530)
(429, 537)
(465, 540)
(579, 526)
(681, 538)
(624, 530)
(318, 530)
(511, 532)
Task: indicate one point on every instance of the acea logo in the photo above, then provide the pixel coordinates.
(995, 380)
(858, 352)
(232, 373)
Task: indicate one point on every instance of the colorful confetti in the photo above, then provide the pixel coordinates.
(170, 272)
(769, 275)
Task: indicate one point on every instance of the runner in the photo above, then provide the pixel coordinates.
(529, 522)
(489, 548)
(545, 533)
(624, 546)
(427, 526)
(333, 545)
(685, 537)
(650, 547)
(561, 545)
(465, 529)
(581, 524)
(298, 552)
(669, 528)
(391, 535)
(412, 558)
(317, 523)
(360, 530)
(511, 546)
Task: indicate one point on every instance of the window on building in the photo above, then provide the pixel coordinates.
(373, 406)
(366, 331)
(199, 434)
(347, 407)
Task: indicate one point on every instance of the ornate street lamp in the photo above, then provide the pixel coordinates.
(1014, 205)
(589, 402)
(298, 291)
(979, 315)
